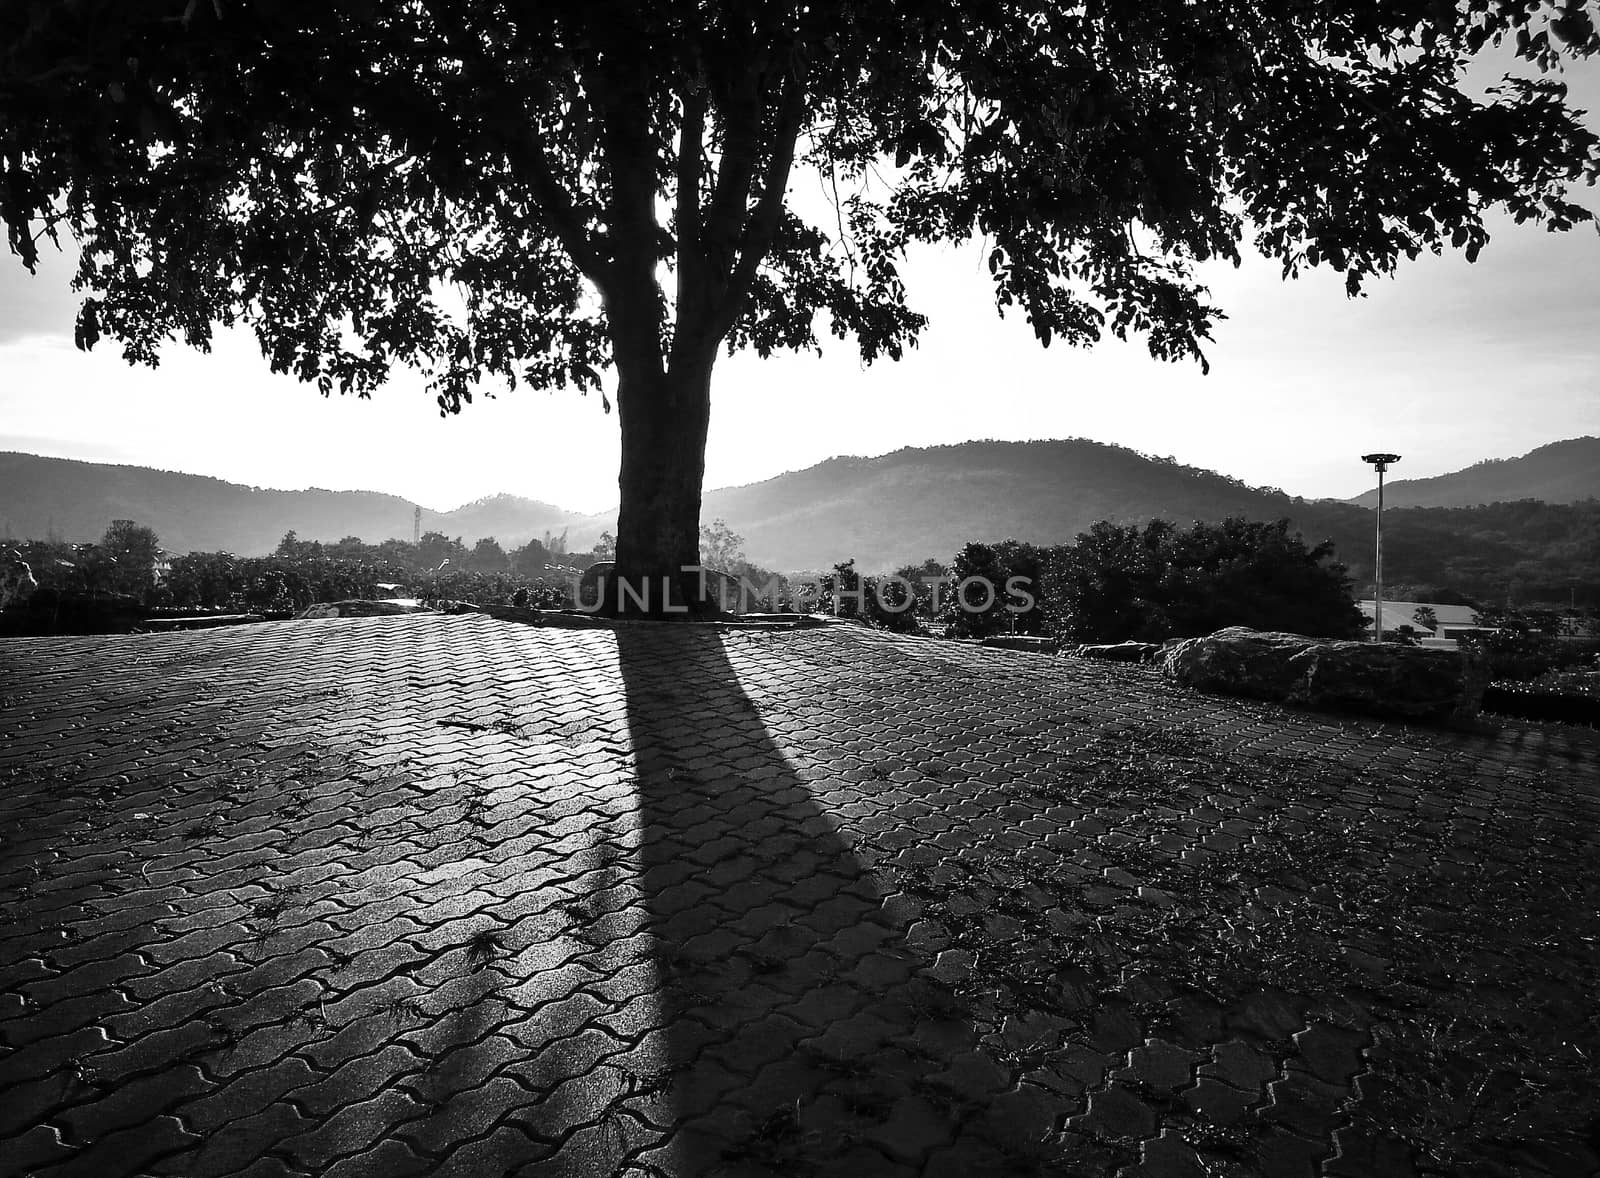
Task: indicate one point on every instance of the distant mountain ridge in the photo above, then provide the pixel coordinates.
(920, 502)
(1561, 472)
(76, 500)
(882, 512)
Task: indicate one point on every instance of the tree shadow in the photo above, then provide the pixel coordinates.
(798, 1034)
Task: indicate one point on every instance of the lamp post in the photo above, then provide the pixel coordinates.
(1382, 463)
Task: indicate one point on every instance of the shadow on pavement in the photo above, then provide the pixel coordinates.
(799, 1039)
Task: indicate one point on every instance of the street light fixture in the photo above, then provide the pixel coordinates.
(1382, 462)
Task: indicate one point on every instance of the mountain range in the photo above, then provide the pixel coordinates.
(1562, 472)
(896, 509)
(72, 500)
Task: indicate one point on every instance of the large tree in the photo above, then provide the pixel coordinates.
(496, 192)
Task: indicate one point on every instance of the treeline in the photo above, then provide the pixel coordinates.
(437, 552)
(280, 585)
(128, 575)
(1115, 583)
(1120, 583)
(1522, 553)
(127, 570)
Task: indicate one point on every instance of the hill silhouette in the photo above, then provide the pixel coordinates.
(1562, 472)
(915, 503)
(40, 497)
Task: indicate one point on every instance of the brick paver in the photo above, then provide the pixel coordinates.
(451, 895)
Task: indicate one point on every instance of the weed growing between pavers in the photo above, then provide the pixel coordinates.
(1373, 920)
(483, 947)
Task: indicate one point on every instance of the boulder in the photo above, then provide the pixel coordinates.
(1023, 642)
(362, 608)
(1119, 652)
(1386, 680)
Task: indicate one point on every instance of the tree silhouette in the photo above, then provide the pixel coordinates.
(607, 183)
(487, 556)
(132, 550)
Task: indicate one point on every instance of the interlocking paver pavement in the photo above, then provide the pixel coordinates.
(451, 895)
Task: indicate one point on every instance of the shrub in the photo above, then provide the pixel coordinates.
(1524, 645)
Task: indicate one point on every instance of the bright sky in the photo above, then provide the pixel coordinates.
(1447, 364)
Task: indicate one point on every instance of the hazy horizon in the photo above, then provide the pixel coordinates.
(7, 445)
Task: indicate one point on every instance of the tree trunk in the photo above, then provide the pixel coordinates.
(664, 416)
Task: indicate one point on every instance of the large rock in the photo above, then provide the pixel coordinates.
(1387, 680)
(1119, 652)
(1023, 642)
(363, 608)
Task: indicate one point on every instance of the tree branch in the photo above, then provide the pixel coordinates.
(762, 224)
(741, 142)
(524, 148)
(527, 154)
(691, 167)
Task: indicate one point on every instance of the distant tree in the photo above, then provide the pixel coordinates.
(98, 571)
(1425, 617)
(269, 590)
(721, 548)
(1413, 591)
(487, 557)
(556, 545)
(132, 549)
(837, 593)
(1120, 582)
(882, 602)
(398, 552)
(349, 548)
(54, 564)
(530, 560)
(929, 569)
(758, 579)
(922, 579)
(435, 548)
(605, 548)
(1104, 587)
(1023, 565)
(973, 604)
(608, 183)
(1520, 644)
(291, 547)
(203, 578)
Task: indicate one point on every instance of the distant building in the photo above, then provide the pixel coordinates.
(1450, 621)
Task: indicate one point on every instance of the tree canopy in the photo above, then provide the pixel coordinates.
(534, 193)
(1119, 583)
